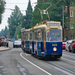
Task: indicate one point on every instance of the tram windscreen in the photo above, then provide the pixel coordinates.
(54, 35)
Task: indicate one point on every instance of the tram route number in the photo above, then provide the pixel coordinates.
(54, 44)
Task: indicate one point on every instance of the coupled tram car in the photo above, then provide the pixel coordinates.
(44, 39)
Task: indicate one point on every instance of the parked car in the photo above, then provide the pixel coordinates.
(0, 42)
(67, 44)
(17, 43)
(64, 44)
(3, 42)
(72, 46)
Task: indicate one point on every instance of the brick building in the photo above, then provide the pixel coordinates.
(72, 20)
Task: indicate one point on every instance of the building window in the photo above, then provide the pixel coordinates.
(71, 14)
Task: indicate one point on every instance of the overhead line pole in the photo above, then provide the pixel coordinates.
(63, 20)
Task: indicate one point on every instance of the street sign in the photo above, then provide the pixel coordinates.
(17, 36)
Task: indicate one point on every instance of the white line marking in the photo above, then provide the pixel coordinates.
(35, 65)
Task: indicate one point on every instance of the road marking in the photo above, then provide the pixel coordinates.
(35, 65)
(68, 60)
(64, 70)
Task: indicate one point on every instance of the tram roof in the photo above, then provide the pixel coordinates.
(27, 30)
(44, 24)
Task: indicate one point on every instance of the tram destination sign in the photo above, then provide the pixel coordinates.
(53, 24)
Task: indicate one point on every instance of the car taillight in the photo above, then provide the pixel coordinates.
(64, 44)
(7, 42)
(24, 41)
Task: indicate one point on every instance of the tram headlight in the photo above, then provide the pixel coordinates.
(54, 49)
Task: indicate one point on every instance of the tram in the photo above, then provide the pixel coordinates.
(25, 43)
(45, 39)
(22, 38)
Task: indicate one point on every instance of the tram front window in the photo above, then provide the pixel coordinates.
(54, 35)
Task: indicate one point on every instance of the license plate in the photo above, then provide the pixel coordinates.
(4, 44)
(54, 53)
(18, 45)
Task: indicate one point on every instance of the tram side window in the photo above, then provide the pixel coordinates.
(30, 36)
(39, 35)
(22, 36)
(43, 35)
(35, 36)
(26, 36)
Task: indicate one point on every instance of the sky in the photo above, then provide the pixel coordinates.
(10, 4)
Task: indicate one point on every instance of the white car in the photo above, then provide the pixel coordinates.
(67, 44)
(17, 43)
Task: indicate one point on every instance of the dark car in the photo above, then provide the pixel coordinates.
(4, 42)
(0, 42)
(72, 47)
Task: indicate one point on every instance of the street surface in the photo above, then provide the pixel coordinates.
(16, 62)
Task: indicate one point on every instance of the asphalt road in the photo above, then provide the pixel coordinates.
(15, 62)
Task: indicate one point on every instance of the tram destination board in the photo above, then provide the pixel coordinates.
(53, 24)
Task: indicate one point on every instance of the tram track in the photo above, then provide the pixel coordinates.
(62, 69)
(72, 63)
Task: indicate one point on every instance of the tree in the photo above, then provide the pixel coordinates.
(18, 31)
(68, 3)
(2, 7)
(14, 20)
(26, 20)
(55, 11)
(4, 31)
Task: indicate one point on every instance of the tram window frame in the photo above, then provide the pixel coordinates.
(35, 33)
(39, 36)
(31, 36)
(26, 37)
(43, 34)
(22, 36)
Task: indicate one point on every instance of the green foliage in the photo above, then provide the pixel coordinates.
(55, 11)
(26, 20)
(18, 31)
(2, 7)
(4, 31)
(14, 20)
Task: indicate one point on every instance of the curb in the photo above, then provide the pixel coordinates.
(5, 49)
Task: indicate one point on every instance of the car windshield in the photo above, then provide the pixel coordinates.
(17, 42)
(54, 35)
(69, 42)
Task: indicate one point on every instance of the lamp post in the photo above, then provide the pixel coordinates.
(63, 20)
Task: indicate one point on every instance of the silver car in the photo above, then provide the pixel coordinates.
(17, 43)
(67, 44)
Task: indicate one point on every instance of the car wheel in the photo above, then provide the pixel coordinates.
(7, 44)
(13, 46)
(73, 51)
(69, 49)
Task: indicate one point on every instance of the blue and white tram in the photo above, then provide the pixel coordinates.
(46, 39)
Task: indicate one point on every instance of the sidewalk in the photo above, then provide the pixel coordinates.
(4, 48)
